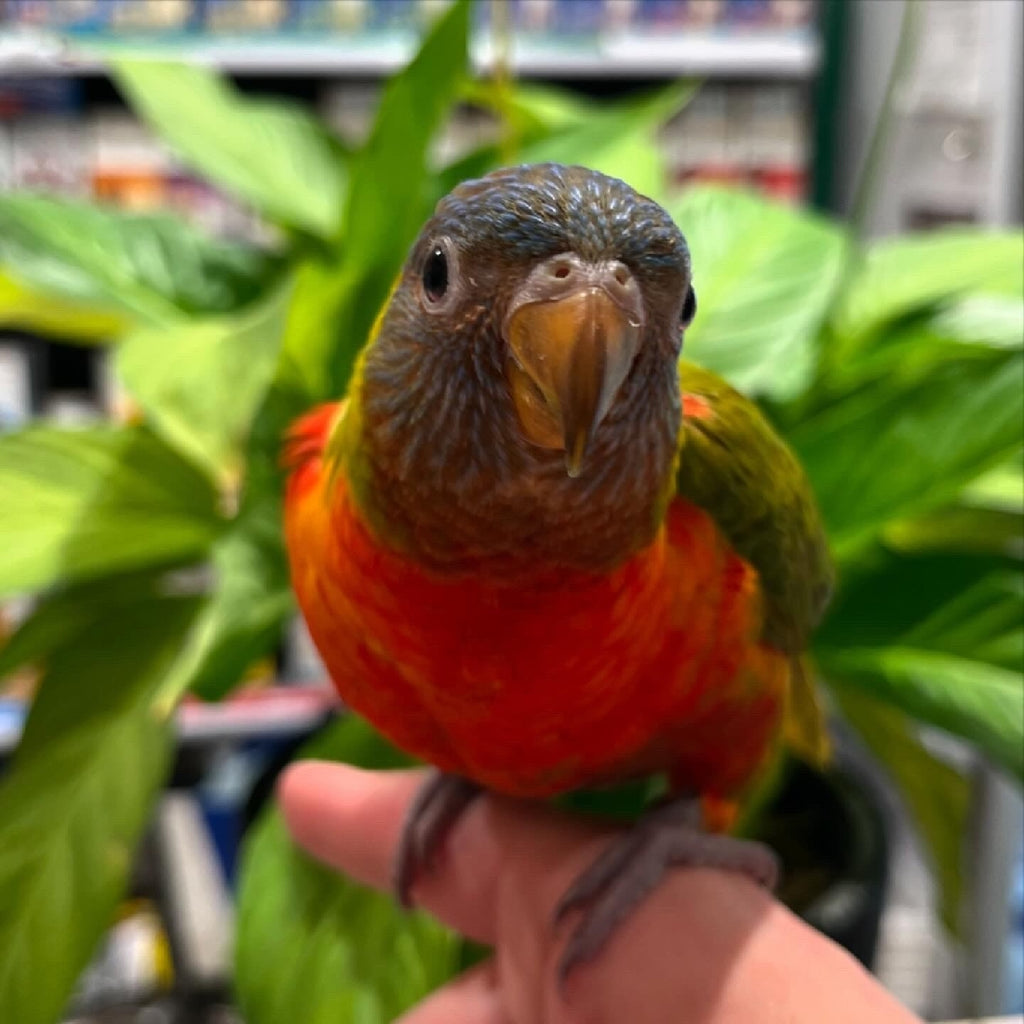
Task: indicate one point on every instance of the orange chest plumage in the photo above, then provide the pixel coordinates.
(545, 685)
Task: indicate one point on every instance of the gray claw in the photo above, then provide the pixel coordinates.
(434, 810)
(629, 869)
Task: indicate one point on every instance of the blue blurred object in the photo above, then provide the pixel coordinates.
(244, 17)
(579, 17)
(390, 15)
(1013, 965)
(746, 13)
(28, 94)
(661, 13)
(222, 795)
(333, 16)
(62, 15)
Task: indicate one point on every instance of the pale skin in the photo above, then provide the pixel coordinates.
(706, 948)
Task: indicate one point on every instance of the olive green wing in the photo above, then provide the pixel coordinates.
(734, 466)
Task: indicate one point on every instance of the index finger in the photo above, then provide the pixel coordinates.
(352, 819)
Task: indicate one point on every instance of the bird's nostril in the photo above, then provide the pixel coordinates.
(622, 276)
(562, 271)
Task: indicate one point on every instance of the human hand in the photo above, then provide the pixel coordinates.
(706, 947)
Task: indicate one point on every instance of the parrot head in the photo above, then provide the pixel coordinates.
(525, 368)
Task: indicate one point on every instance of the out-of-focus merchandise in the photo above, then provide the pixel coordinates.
(27, 95)
(469, 128)
(6, 159)
(349, 109)
(778, 149)
(582, 17)
(341, 16)
(41, 135)
(1013, 983)
(134, 962)
(151, 16)
(49, 155)
(244, 16)
(302, 662)
(128, 167)
(748, 135)
(269, 18)
(62, 15)
(132, 169)
(95, 16)
(16, 383)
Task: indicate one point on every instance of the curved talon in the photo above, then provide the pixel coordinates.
(635, 863)
(434, 810)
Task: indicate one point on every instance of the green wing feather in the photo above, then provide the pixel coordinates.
(734, 466)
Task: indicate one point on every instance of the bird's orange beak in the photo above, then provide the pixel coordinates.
(573, 330)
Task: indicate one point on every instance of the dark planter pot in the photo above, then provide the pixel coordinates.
(829, 830)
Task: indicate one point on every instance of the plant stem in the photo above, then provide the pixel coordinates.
(867, 186)
(501, 22)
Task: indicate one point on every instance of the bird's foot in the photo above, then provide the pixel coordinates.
(633, 865)
(435, 809)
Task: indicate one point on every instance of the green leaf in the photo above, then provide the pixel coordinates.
(984, 622)
(273, 155)
(885, 595)
(79, 504)
(1001, 488)
(959, 528)
(61, 616)
(982, 703)
(991, 321)
(72, 808)
(315, 947)
(153, 266)
(764, 276)
(24, 308)
(901, 276)
(336, 302)
(202, 382)
(535, 109)
(618, 140)
(906, 354)
(940, 636)
(250, 603)
(318, 341)
(887, 453)
(937, 797)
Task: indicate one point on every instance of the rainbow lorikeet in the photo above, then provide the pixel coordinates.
(538, 551)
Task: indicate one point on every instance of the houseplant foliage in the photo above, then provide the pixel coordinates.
(894, 369)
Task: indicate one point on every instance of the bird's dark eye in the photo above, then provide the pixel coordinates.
(689, 307)
(435, 275)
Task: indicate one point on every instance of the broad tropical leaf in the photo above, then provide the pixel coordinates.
(274, 155)
(41, 311)
(78, 796)
(201, 382)
(153, 266)
(79, 504)
(978, 701)
(901, 276)
(617, 140)
(764, 277)
(887, 453)
(315, 947)
(251, 599)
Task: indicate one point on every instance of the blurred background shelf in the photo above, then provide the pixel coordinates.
(761, 54)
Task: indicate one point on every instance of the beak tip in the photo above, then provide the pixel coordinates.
(574, 453)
